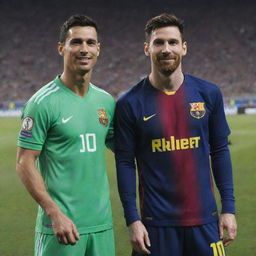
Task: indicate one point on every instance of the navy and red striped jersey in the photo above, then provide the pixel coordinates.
(179, 142)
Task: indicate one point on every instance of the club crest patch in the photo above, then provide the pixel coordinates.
(197, 109)
(103, 117)
(27, 124)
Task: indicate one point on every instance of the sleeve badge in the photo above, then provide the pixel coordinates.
(27, 124)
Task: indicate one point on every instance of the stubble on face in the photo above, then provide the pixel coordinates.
(81, 50)
(166, 49)
(168, 63)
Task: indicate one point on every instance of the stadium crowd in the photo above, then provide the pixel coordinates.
(221, 39)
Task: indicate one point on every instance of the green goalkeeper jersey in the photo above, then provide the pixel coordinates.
(71, 132)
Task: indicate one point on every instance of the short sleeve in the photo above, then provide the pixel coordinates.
(35, 124)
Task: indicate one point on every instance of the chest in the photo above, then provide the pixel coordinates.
(182, 115)
(73, 120)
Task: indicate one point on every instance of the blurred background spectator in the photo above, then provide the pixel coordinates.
(221, 38)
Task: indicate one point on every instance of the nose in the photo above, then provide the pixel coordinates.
(166, 48)
(84, 48)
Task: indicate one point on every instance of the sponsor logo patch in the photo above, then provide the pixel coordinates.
(27, 134)
(103, 117)
(27, 124)
(197, 109)
(163, 145)
(48, 225)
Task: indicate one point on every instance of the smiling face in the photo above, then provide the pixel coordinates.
(80, 50)
(166, 49)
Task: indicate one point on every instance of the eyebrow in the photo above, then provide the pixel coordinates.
(76, 39)
(79, 39)
(162, 40)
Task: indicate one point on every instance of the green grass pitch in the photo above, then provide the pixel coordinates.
(18, 210)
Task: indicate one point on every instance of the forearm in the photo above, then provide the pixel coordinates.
(222, 171)
(33, 181)
(125, 147)
(63, 227)
(126, 177)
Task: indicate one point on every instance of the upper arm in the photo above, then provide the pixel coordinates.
(218, 126)
(125, 132)
(26, 157)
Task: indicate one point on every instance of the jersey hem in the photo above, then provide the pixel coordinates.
(84, 230)
(162, 223)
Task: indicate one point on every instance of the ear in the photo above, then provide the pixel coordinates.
(146, 48)
(185, 48)
(60, 47)
(98, 48)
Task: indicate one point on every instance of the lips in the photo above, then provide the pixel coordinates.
(83, 58)
(166, 59)
(169, 58)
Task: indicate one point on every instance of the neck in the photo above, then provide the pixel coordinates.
(78, 83)
(166, 83)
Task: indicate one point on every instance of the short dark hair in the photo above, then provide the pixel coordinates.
(163, 20)
(76, 20)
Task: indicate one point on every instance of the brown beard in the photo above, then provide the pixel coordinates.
(168, 70)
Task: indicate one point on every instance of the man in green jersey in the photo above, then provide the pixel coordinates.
(66, 125)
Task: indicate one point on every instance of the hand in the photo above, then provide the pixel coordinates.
(227, 222)
(64, 229)
(139, 237)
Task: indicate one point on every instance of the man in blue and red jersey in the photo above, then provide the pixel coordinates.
(174, 125)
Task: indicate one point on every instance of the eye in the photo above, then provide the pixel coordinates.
(158, 42)
(76, 41)
(91, 42)
(173, 42)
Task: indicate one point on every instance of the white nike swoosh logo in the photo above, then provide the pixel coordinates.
(66, 120)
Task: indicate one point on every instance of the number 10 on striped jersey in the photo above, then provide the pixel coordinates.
(218, 249)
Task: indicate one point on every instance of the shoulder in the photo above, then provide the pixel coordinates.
(102, 93)
(43, 95)
(202, 85)
(210, 92)
(132, 95)
(105, 99)
(43, 101)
